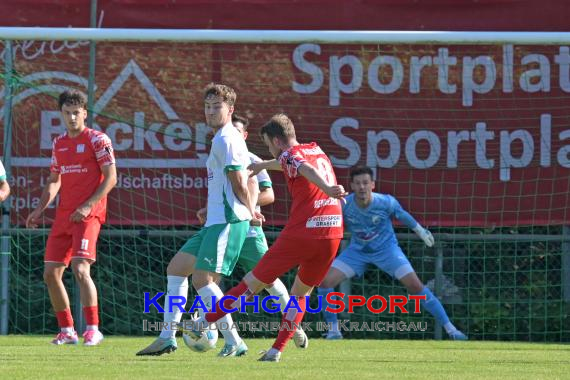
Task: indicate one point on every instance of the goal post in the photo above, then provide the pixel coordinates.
(469, 130)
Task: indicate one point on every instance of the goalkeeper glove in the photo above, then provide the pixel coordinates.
(425, 235)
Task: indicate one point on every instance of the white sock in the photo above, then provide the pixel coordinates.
(92, 327)
(68, 330)
(231, 335)
(449, 328)
(278, 289)
(177, 286)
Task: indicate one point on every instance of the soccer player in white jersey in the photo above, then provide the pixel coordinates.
(368, 216)
(214, 251)
(4, 185)
(255, 245)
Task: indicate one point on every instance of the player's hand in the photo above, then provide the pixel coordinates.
(254, 169)
(257, 219)
(80, 214)
(3, 195)
(202, 214)
(425, 235)
(336, 191)
(32, 220)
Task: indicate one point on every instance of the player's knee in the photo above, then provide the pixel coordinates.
(51, 277)
(332, 279)
(82, 274)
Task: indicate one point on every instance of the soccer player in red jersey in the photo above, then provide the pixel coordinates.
(83, 168)
(312, 235)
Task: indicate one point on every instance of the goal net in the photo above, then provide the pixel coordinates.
(472, 139)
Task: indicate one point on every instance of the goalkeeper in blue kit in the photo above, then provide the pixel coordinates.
(368, 217)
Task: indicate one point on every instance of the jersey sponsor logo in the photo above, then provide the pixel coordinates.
(80, 148)
(324, 221)
(208, 260)
(326, 202)
(313, 151)
(68, 169)
(366, 236)
(62, 149)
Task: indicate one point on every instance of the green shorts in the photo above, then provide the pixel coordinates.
(253, 249)
(217, 247)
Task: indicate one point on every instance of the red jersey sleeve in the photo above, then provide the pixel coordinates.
(103, 148)
(290, 162)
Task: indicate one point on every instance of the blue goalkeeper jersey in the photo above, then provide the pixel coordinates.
(371, 227)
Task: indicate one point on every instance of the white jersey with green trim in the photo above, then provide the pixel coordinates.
(2, 172)
(228, 153)
(263, 181)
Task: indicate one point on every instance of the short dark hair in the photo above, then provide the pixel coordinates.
(227, 93)
(72, 98)
(240, 119)
(358, 170)
(279, 126)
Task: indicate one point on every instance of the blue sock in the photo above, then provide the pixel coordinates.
(329, 317)
(433, 305)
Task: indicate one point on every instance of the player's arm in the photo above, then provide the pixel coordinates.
(109, 181)
(4, 189)
(266, 196)
(406, 218)
(310, 173)
(48, 195)
(241, 187)
(256, 167)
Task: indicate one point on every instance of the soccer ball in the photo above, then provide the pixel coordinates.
(206, 342)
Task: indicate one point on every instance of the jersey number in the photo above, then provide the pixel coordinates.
(325, 170)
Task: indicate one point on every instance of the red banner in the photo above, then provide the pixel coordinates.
(461, 135)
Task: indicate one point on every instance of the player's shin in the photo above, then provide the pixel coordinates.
(330, 318)
(177, 289)
(224, 324)
(434, 307)
(236, 291)
(289, 323)
(278, 289)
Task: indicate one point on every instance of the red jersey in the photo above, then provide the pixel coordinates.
(313, 214)
(79, 160)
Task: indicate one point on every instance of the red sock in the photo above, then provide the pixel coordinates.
(64, 318)
(236, 291)
(289, 324)
(91, 315)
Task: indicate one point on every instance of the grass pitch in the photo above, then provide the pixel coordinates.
(33, 357)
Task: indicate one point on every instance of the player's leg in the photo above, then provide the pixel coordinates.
(218, 256)
(273, 264)
(393, 261)
(312, 270)
(350, 263)
(53, 273)
(83, 255)
(56, 259)
(254, 247)
(88, 295)
(179, 268)
(432, 304)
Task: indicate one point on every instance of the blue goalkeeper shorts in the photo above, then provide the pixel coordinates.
(352, 261)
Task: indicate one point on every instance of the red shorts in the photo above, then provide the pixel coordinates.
(68, 240)
(313, 257)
